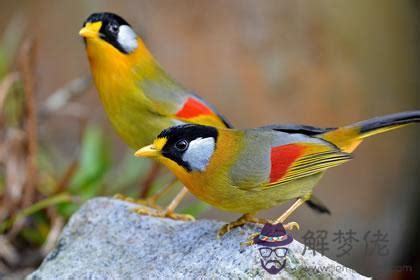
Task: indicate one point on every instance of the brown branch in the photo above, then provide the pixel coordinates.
(68, 175)
(26, 67)
(146, 184)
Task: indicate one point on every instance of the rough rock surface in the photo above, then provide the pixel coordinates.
(104, 240)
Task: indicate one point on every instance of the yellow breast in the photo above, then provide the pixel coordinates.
(117, 77)
(213, 185)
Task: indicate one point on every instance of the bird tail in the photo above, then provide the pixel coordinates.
(347, 138)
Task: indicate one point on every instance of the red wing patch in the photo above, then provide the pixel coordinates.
(193, 108)
(282, 157)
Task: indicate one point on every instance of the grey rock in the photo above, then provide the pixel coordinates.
(105, 240)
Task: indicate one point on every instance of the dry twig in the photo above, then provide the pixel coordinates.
(68, 175)
(26, 66)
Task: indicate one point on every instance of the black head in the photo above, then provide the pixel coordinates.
(190, 146)
(114, 30)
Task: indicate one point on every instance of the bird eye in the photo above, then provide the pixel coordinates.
(113, 27)
(181, 145)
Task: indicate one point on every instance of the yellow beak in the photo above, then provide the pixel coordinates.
(91, 29)
(147, 151)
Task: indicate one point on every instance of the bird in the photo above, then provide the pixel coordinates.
(139, 97)
(248, 170)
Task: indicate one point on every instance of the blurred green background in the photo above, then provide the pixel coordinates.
(324, 63)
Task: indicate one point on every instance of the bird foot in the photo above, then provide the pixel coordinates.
(250, 240)
(162, 214)
(291, 226)
(245, 219)
(149, 202)
(225, 229)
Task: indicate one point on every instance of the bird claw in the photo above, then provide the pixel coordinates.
(228, 227)
(149, 202)
(123, 197)
(224, 229)
(292, 226)
(250, 240)
(179, 217)
(245, 219)
(162, 214)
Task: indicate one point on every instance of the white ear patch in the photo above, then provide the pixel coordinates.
(199, 153)
(127, 38)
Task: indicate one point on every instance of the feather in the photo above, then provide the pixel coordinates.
(300, 129)
(281, 159)
(315, 204)
(294, 161)
(193, 108)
